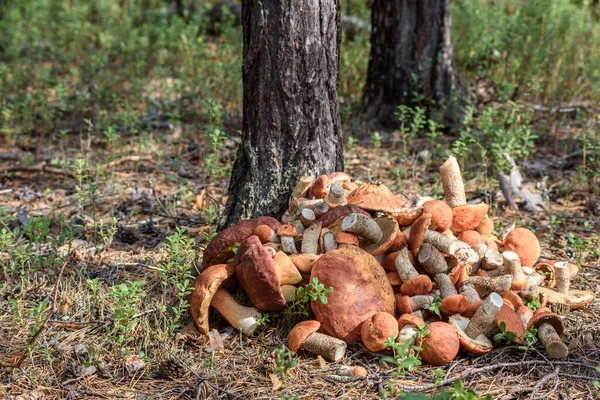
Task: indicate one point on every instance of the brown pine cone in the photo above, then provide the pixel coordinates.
(170, 369)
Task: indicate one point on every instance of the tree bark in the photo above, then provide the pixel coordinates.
(411, 59)
(291, 123)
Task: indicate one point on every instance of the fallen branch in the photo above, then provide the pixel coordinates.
(41, 167)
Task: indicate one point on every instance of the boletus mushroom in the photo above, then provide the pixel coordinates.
(304, 335)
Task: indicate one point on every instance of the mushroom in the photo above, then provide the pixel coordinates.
(285, 269)
(525, 314)
(389, 229)
(486, 285)
(400, 242)
(304, 262)
(286, 233)
(377, 330)
(431, 260)
(417, 233)
(407, 304)
(353, 371)
(327, 241)
(307, 217)
(333, 218)
(512, 264)
(335, 197)
(346, 238)
(484, 316)
(452, 302)
(350, 270)
(310, 239)
(441, 242)
(550, 329)
(304, 335)
(406, 326)
(207, 293)
(479, 345)
(492, 260)
(512, 322)
(412, 282)
(363, 226)
(288, 292)
(300, 190)
(523, 242)
(531, 290)
(470, 237)
(375, 197)
(573, 299)
(321, 209)
(485, 227)
(441, 214)
(441, 345)
(547, 268)
(266, 234)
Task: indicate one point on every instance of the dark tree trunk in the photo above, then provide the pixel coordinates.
(411, 60)
(291, 121)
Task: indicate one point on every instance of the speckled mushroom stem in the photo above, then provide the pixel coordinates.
(321, 209)
(407, 333)
(288, 244)
(446, 286)
(550, 339)
(329, 242)
(454, 189)
(480, 250)
(300, 191)
(335, 197)
(512, 265)
(492, 260)
(307, 216)
(362, 225)
(418, 302)
(486, 285)
(404, 267)
(326, 346)
(484, 316)
(562, 276)
(470, 293)
(432, 260)
(531, 290)
(242, 318)
(310, 239)
(441, 242)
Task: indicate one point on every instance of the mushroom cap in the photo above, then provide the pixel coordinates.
(417, 233)
(304, 262)
(373, 197)
(470, 237)
(523, 242)
(389, 262)
(403, 304)
(256, 273)
(459, 273)
(467, 217)
(350, 270)
(455, 304)
(420, 284)
(377, 329)
(480, 345)
(409, 319)
(346, 238)
(394, 278)
(441, 345)
(513, 322)
(485, 227)
(514, 299)
(318, 189)
(205, 286)
(264, 233)
(547, 318)
(441, 214)
(389, 227)
(400, 242)
(338, 213)
(287, 230)
(548, 268)
(472, 309)
(219, 250)
(300, 333)
(574, 299)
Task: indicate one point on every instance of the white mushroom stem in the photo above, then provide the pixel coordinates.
(407, 333)
(326, 346)
(335, 197)
(240, 317)
(300, 191)
(329, 242)
(310, 239)
(321, 209)
(446, 286)
(404, 267)
(483, 318)
(486, 285)
(550, 339)
(362, 225)
(525, 313)
(418, 302)
(512, 265)
(470, 293)
(454, 189)
(307, 216)
(308, 204)
(432, 260)
(480, 250)
(531, 290)
(562, 276)
(466, 255)
(288, 244)
(492, 260)
(441, 242)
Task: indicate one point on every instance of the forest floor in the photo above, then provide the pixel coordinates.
(58, 320)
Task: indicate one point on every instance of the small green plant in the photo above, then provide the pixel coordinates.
(350, 142)
(377, 140)
(503, 335)
(96, 287)
(284, 362)
(300, 307)
(597, 382)
(434, 307)
(127, 298)
(438, 376)
(406, 355)
(529, 340)
(534, 303)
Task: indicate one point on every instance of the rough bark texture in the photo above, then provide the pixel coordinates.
(291, 121)
(409, 38)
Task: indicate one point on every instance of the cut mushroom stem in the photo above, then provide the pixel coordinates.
(487, 285)
(328, 240)
(406, 304)
(470, 293)
(480, 250)
(492, 260)
(288, 244)
(310, 239)
(407, 333)
(362, 225)
(307, 217)
(531, 290)
(335, 197)
(321, 209)
(563, 277)
(240, 317)
(300, 191)
(432, 260)
(328, 347)
(550, 339)
(512, 264)
(452, 183)
(483, 318)
(404, 267)
(446, 286)
(441, 242)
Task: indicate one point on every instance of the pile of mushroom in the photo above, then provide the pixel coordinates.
(387, 259)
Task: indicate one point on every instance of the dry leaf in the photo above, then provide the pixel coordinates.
(216, 341)
(322, 362)
(276, 382)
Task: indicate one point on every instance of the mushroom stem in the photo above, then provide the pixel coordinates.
(240, 317)
(321, 209)
(432, 260)
(407, 333)
(562, 276)
(486, 285)
(347, 370)
(419, 302)
(335, 197)
(454, 189)
(329, 242)
(404, 267)
(446, 286)
(300, 190)
(310, 239)
(480, 250)
(288, 292)
(470, 293)
(531, 290)
(550, 339)
(484, 316)
(512, 264)
(328, 347)
(441, 242)
(307, 216)
(362, 225)
(288, 245)
(492, 260)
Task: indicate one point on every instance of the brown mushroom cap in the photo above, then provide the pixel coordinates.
(467, 217)
(372, 197)
(441, 345)
(346, 238)
(265, 233)
(219, 250)
(304, 262)
(548, 268)
(389, 262)
(361, 289)
(420, 284)
(300, 333)
(523, 242)
(287, 230)
(547, 318)
(470, 237)
(574, 299)
(513, 322)
(514, 299)
(389, 227)
(410, 319)
(455, 304)
(257, 276)
(400, 242)
(441, 214)
(480, 345)
(472, 309)
(417, 233)
(318, 190)
(485, 227)
(205, 286)
(378, 329)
